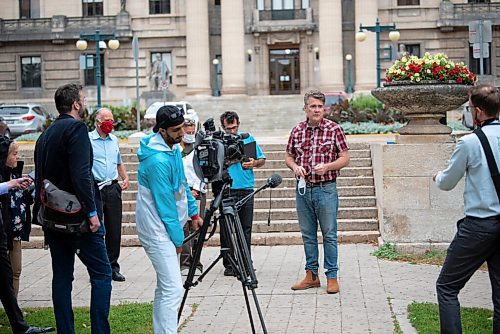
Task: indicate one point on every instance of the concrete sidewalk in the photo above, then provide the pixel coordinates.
(373, 292)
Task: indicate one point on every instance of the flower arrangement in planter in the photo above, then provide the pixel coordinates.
(436, 67)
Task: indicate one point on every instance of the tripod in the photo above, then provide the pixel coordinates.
(237, 253)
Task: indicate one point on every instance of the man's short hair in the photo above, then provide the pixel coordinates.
(314, 93)
(487, 98)
(66, 95)
(229, 117)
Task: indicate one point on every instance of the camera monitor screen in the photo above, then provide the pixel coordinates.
(250, 150)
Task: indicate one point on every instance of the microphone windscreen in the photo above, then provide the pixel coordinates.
(244, 135)
(274, 180)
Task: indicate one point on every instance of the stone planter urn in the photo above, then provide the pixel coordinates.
(423, 104)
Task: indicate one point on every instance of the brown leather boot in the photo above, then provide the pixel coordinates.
(310, 281)
(332, 285)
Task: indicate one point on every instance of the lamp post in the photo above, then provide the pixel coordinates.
(216, 78)
(113, 44)
(377, 29)
(348, 58)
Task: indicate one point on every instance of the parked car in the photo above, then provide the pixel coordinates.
(187, 109)
(338, 100)
(24, 118)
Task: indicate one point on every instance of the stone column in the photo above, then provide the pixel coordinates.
(366, 72)
(330, 45)
(197, 48)
(233, 47)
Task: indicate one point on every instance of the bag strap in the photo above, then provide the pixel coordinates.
(490, 158)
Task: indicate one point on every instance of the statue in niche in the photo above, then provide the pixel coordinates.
(156, 75)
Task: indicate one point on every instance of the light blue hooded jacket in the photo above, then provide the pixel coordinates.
(164, 201)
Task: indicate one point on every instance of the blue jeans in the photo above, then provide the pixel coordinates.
(476, 241)
(319, 204)
(93, 255)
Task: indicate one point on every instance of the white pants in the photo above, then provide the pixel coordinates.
(168, 292)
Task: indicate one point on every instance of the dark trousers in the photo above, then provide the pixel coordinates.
(476, 241)
(7, 295)
(93, 255)
(111, 197)
(245, 214)
(187, 248)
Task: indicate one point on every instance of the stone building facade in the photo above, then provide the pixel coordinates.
(263, 47)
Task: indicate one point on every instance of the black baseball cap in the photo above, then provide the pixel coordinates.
(168, 116)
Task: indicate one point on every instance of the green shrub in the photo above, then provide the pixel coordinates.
(366, 103)
(125, 118)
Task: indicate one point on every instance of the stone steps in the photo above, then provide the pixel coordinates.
(263, 203)
(258, 239)
(357, 216)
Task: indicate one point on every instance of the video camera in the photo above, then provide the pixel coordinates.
(215, 150)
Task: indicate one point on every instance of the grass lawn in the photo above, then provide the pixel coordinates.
(125, 318)
(425, 318)
(388, 251)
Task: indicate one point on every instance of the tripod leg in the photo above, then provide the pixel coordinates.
(259, 312)
(239, 257)
(249, 310)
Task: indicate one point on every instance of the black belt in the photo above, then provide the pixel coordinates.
(318, 184)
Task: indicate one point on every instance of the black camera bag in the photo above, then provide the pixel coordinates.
(60, 211)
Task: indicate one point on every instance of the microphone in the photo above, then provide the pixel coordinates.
(274, 180)
(244, 135)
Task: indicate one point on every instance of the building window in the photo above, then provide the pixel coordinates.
(479, 1)
(31, 72)
(305, 4)
(474, 62)
(92, 8)
(260, 4)
(282, 4)
(87, 63)
(408, 2)
(25, 9)
(165, 64)
(217, 2)
(159, 6)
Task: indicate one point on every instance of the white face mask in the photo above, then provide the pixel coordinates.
(301, 187)
(188, 139)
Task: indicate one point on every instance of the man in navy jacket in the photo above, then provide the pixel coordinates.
(63, 155)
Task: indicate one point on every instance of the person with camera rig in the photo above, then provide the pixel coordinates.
(198, 190)
(164, 204)
(243, 181)
(316, 151)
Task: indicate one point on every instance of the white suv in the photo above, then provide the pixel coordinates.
(24, 118)
(187, 109)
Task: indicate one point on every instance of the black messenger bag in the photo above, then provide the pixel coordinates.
(60, 211)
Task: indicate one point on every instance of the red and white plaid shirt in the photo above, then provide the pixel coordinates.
(314, 145)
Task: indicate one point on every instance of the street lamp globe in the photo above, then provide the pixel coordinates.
(394, 35)
(113, 44)
(81, 44)
(360, 36)
(215, 61)
(348, 57)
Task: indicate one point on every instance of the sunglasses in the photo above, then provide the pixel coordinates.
(189, 122)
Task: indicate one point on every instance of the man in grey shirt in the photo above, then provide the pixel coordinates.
(478, 235)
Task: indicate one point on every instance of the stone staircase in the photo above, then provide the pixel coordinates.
(357, 217)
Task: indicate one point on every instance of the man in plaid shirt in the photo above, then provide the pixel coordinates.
(316, 151)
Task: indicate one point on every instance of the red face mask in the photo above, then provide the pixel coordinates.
(106, 126)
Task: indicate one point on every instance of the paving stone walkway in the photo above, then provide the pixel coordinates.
(373, 292)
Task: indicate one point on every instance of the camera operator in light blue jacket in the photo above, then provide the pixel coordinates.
(164, 204)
